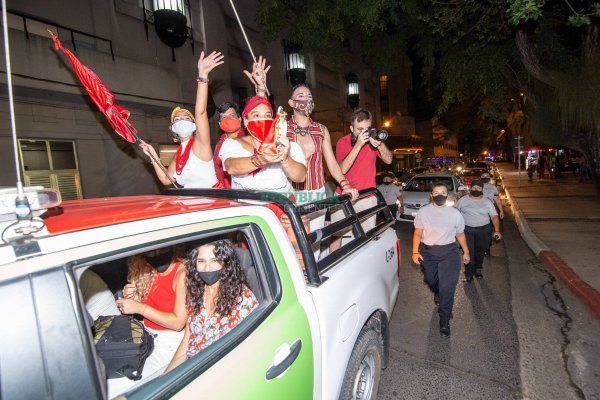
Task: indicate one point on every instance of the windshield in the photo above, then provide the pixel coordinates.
(473, 172)
(425, 183)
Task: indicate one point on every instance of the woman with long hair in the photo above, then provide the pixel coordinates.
(217, 297)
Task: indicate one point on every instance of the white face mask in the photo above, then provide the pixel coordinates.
(183, 128)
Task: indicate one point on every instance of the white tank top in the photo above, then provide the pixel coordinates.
(196, 173)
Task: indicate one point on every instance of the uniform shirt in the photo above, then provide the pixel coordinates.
(490, 190)
(476, 212)
(361, 174)
(390, 193)
(440, 224)
(270, 178)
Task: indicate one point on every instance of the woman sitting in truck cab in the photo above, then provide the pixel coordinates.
(156, 291)
(217, 296)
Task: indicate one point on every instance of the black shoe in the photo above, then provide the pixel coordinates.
(468, 279)
(436, 299)
(478, 274)
(444, 327)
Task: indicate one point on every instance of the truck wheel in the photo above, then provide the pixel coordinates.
(361, 380)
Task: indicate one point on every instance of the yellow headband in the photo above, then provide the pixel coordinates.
(179, 109)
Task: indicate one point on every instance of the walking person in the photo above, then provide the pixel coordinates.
(491, 192)
(477, 210)
(541, 165)
(437, 228)
(391, 193)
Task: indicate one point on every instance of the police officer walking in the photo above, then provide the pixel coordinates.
(477, 210)
(437, 228)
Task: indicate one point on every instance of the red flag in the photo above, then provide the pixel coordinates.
(117, 116)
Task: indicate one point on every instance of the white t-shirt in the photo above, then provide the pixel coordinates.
(271, 177)
(390, 193)
(440, 224)
(476, 212)
(490, 190)
(196, 173)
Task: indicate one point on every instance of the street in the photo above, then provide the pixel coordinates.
(515, 333)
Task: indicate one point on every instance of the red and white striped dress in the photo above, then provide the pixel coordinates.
(315, 174)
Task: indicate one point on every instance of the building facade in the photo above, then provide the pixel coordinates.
(64, 142)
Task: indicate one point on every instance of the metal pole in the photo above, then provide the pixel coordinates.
(519, 157)
(243, 31)
(11, 102)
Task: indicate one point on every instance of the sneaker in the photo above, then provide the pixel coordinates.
(468, 279)
(478, 274)
(444, 327)
(436, 299)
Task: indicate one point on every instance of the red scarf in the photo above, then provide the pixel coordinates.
(182, 157)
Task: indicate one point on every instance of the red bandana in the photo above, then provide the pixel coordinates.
(182, 157)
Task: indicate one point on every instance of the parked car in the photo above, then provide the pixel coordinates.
(416, 193)
(320, 330)
(469, 174)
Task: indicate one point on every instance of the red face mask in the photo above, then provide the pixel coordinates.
(263, 130)
(230, 125)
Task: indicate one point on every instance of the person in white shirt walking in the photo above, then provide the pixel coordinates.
(477, 211)
(437, 228)
(391, 194)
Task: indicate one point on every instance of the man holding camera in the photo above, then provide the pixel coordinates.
(357, 155)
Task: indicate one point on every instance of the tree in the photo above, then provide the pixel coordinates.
(480, 52)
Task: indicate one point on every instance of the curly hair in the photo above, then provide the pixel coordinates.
(143, 274)
(232, 278)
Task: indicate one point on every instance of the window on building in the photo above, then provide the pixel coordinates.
(51, 164)
(383, 96)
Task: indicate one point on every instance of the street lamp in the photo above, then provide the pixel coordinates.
(352, 90)
(295, 66)
(170, 22)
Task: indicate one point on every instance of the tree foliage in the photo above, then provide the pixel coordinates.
(477, 52)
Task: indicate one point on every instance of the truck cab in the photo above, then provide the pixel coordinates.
(320, 329)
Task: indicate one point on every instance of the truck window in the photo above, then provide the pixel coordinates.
(122, 283)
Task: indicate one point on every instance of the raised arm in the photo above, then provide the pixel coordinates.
(201, 147)
(258, 77)
(149, 149)
(349, 159)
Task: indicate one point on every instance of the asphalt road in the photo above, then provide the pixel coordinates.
(515, 334)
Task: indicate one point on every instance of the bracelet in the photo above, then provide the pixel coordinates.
(201, 79)
(344, 180)
(255, 162)
(416, 252)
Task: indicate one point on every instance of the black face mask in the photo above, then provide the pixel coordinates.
(440, 200)
(485, 180)
(476, 193)
(210, 277)
(161, 261)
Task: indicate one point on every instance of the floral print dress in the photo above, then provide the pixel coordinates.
(205, 330)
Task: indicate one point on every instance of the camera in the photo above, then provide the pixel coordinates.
(377, 134)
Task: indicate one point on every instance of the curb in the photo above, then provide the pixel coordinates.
(589, 296)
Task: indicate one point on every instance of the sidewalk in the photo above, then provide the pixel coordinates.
(560, 221)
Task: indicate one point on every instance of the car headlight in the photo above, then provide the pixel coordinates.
(450, 203)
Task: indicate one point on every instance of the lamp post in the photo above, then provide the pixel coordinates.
(170, 22)
(352, 90)
(295, 66)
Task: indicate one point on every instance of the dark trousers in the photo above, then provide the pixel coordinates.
(441, 265)
(393, 209)
(479, 240)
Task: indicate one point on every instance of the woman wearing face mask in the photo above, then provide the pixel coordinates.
(477, 210)
(192, 166)
(250, 169)
(437, 228)
(156, 291)
(217, 295)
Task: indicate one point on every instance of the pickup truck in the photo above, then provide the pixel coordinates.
(320, 330)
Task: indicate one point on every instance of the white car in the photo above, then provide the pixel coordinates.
(416, 193)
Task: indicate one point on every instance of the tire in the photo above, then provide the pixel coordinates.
(361, 381)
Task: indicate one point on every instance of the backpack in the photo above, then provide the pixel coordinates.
(123, 344)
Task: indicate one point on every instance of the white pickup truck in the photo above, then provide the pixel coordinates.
(319, 332)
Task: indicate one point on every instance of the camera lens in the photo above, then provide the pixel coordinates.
(378, 135)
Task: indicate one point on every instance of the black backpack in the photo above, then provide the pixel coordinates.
(123, 344)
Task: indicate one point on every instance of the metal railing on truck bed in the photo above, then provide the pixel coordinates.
(352, 219)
